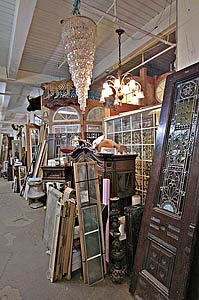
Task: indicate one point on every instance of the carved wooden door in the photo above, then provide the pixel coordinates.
(168, 231)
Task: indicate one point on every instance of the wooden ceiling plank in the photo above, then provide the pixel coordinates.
(136, 7)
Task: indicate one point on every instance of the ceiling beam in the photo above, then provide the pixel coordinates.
(5, 99)
(11, 122)
(6, 131)
(30, 78)
(22, 20)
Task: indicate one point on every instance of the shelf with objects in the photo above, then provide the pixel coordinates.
(60, 103)
(136, 130)
(94, 123)
(67, 125)
(119, 168)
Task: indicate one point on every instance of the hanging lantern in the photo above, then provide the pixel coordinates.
(79, 37)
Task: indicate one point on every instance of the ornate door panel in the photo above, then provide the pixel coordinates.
(167, 238)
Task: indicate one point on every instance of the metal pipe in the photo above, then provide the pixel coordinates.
(101, 18)
(97, 10)
(63, 62)
(12, 94)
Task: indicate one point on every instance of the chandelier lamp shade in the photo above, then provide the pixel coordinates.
(79, 38)
(122, 85)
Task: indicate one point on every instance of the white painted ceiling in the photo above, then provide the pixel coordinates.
(31, 49)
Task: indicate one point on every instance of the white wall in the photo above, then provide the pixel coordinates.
(187, 33)
(1, 138)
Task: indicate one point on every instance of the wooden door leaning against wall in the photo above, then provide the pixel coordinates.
(168, 231)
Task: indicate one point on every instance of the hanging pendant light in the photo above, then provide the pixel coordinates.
(79, 38)
(122, 85)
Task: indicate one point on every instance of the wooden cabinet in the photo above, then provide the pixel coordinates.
(136, 130)
(120, 169)
(57, 173)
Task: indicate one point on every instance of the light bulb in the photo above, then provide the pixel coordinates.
(140, 95)
(132, 84)
(134, 100)
(117, 83)
(125, 89)
(103, 94)
(102, 100)
(116, 102)
(105, 85)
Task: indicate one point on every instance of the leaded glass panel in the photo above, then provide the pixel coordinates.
(179, 150)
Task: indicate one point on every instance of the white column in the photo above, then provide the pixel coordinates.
(187, 33)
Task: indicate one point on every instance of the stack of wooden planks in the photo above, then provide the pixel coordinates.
(60, 264)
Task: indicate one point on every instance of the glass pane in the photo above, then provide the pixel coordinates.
(138, 166)
(16, 149)
(92, 191)
(138, 150)
(65, 114)
(148, 136)
(146, 168)
(82, 172)
(90, 218)
(124, 184)
(118, 126)
(92, 244)
(110, 137)
(136, 121)
(147, 152)
(126, 125)
(72, 129)
(91, 171)
(109, 126)
(84, 196)
(181, 139)
(136, 137)
(147, 119)
(128, 149)
(127, 138)
(145, 183)
(118, 138)
(157, 117)
(95, 270)
(139, 182)
(96, 114)
(94, 128)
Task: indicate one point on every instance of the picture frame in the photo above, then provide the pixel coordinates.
(106, 150)
(17, 149)
(90, 221)
(21, 175)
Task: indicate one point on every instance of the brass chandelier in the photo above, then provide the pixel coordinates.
(121, 85)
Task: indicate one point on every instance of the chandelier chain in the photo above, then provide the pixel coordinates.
(76, 7)
(120, 32)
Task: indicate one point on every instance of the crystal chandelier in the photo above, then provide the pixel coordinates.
(122, 85)
(79, 37)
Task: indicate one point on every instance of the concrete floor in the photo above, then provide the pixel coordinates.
(24, 262)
